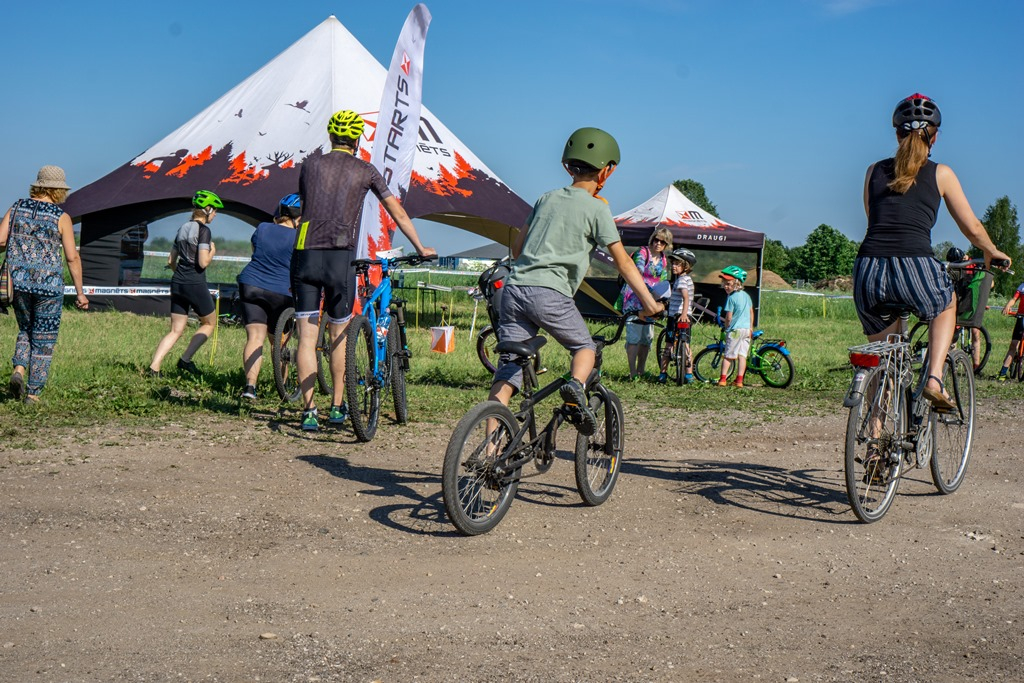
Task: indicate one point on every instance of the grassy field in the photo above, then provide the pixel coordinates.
(98, 370)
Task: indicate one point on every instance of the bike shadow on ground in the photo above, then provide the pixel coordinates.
(808, 494)
(414, 499)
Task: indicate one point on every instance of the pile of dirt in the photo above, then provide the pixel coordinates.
(842, 283)
(772, 280)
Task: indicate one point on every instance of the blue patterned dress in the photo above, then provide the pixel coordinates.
(34, 256)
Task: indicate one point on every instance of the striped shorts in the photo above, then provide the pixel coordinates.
(918, 281)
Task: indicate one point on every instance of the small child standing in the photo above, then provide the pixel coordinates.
(1018, 329)
(737, 324)
(679, 308)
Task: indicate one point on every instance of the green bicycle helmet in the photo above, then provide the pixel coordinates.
(734, 273)
(346, 124)
(204, 198)
(593, 147)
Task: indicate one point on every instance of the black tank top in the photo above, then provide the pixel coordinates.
(900, 224)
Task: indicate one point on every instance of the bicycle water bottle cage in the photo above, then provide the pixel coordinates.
(525, 350)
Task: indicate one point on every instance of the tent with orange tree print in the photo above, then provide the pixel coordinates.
(715, 243)
(248, 147)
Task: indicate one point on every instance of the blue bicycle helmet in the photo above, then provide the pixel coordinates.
(289, 207)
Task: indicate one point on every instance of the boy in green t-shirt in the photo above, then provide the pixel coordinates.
(552, 254)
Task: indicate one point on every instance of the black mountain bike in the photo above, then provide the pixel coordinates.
(484, 462)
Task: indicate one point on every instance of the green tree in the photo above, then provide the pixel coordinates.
(1003, 227)
(776, 256)
(827, 253)
(694, 191)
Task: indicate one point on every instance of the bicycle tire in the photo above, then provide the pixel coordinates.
(660, 344)
(679, 357)
(871, 483)
(775, 367)
(284, 355)
(708, 363)
(475, 498)
(599, 456)
(486, 342)
(397, 373)
(361, 386)
(953, 433)
(324, 378)
(919, 340)
(985, 342)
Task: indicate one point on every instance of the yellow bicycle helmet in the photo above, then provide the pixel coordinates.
(346, 124)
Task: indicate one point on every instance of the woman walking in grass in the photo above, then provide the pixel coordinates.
(34, 232)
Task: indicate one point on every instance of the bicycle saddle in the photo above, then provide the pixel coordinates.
(893, 310)
(526, 349)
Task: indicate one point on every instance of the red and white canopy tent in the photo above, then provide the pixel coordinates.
(248, 147)
(715, 242)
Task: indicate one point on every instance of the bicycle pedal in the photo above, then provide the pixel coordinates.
(542, 371)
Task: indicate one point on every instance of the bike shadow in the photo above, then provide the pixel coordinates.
(808, 494)
(409, 508)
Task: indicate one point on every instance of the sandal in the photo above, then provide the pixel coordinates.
(875, 471)
(17, 385)
(940, 400)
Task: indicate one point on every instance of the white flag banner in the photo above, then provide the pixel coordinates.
(398, 122)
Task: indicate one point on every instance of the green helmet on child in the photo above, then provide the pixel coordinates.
(593, 147)
(733, 273)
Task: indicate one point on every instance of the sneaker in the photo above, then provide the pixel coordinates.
(17, 385)
(150, 372)
(188, 366)
(310, 421)
(580, 414)
(663, 378)
(723, 382)
(738, 383)
(338, 415)
(688, 378)
(249, 393)
(1001, 378)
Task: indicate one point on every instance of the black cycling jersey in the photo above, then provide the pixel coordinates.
(900, 225)
(192, 238)
(333, 187)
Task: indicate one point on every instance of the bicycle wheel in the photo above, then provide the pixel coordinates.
(953, 433)
(707, 366)
(284, 355)
(984, 347)
(397, 373)
(599, 456)
(1016, 369)
(361, 387)
(660, 345)
(485, 351)
(679, 358)
(775, 367)
(874, 460)
(475, 496)
(919, 340)
(324, 379)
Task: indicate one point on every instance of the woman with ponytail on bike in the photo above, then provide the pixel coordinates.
(895, 264)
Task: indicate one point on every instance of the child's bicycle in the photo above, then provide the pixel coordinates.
(768, 358)
(377, 351)
(1016, 370)
(962, 339)
(484, 462)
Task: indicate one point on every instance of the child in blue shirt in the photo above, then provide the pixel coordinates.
(737, 323)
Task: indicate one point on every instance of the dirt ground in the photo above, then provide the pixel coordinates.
(244, 550)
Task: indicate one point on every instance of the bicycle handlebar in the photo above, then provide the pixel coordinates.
(411, 259)
(1002, 264)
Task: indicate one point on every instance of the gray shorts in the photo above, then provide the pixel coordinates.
(524, 311)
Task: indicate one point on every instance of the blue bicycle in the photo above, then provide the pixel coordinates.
(377, 351)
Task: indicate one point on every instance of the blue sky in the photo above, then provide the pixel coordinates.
(777, 107)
